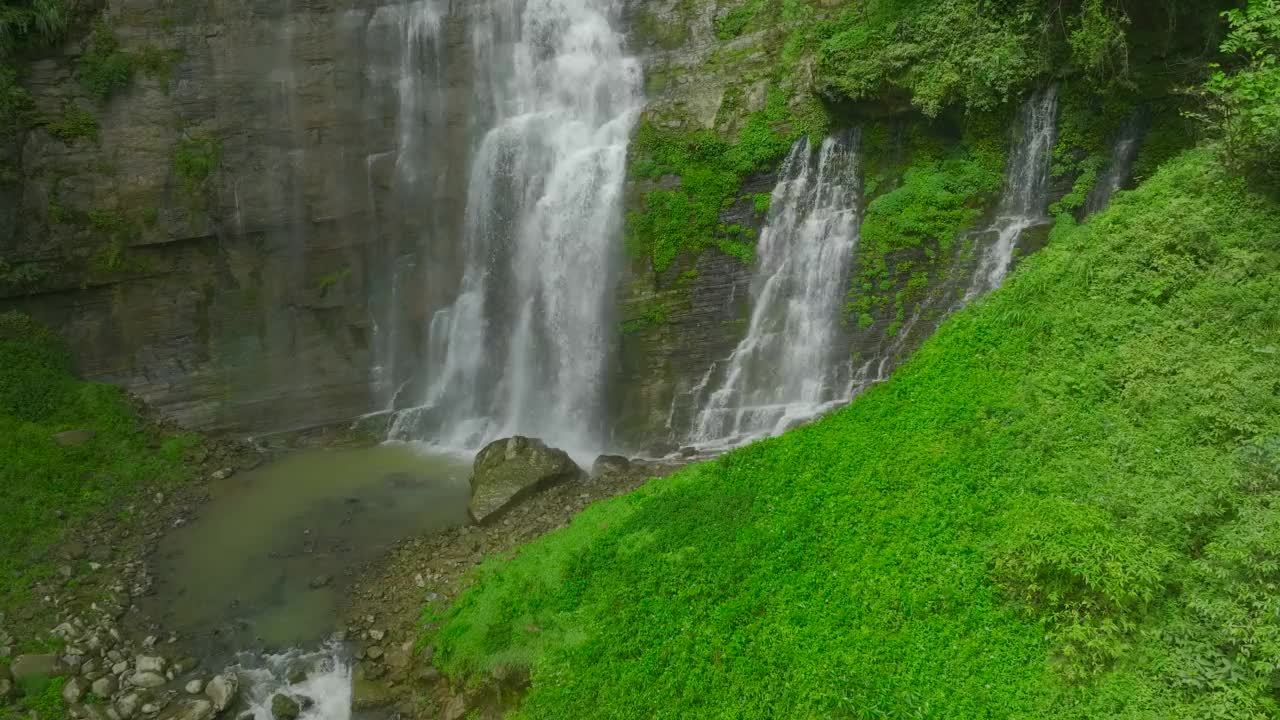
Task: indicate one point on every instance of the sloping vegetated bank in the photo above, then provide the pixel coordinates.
(1063, 506)
(68, 450)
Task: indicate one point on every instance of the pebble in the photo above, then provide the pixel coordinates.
(194, 687)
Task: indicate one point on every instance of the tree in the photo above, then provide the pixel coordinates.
(1243, 95)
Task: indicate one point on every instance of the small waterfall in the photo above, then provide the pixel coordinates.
(325, 694)
(522, 346)
(1119, 169)
(790, 367)
(405, 73)
(1026, 197)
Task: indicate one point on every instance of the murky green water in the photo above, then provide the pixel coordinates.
(266, 562)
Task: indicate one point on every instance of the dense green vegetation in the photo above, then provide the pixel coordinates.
(46, 487)
(711, 169)
(962, 61)
(194, 160)
(1063, 506)
(981, 55)
(919, 207)
(1244, 94)
(24, 25)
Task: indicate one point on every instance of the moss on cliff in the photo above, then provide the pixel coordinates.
(711, 169)
(926, 187)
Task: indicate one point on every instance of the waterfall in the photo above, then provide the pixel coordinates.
(405, 76)
(523, 345)
(327, 686)
(1026, 194)
(1117, 173)
(790, 367)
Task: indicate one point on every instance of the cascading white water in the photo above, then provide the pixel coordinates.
(1026, 199)
(522, 348)
(789, 367)
(406, 64)
(1118, 171)
(325, 694)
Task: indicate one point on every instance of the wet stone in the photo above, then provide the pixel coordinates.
(284, 707)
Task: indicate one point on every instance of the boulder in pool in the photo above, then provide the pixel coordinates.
(507, 471)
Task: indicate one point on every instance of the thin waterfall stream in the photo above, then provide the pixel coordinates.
(1026, 196)
(789, 367)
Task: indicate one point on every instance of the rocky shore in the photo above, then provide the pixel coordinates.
(81, 639)
(384, 619)
(88, 651)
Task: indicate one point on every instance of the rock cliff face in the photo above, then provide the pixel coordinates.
(245, 296)
(256, 231)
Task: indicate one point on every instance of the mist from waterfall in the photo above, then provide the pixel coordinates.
(790, 366)
(522, 346)
(1025, 202)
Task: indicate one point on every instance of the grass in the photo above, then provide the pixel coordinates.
(46, 488)
(1065, 505)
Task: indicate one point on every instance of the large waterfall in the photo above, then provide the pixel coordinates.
(522, 346)
(1026, 195)
(790, 366)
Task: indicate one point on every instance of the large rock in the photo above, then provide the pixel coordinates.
(105, 687)
(146, 680)
(284, 707)
(196, 709)
(127, 706)
(149, 664)
(609, 464)
(508, 470)
(73, 690)
(222, 690)
(25, 666)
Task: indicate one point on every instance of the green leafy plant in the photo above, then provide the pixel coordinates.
(686, 219)
(104, 68)
(196, 158)
(75, 124)
(330, 280)
(652, 317)
(1244, 97)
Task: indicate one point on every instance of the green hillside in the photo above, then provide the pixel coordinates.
(1063, 506)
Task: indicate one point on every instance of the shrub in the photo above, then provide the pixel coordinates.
(195, 159)
(104, 68)
(34, 369)
(1244, 96)
(74, 124)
